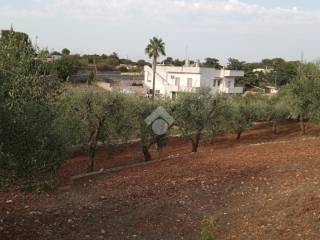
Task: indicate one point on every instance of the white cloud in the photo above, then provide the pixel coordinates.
(157, 10)
(230, 27)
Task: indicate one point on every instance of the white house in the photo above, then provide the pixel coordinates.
(171, 80)
(263, 70)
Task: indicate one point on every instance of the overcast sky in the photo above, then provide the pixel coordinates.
(246, 29)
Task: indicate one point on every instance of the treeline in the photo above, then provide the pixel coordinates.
(102, 62)
(41, 122)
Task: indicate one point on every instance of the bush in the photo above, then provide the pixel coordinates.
(66, 66)
(31, 148)
(104, 67)
(123, 69)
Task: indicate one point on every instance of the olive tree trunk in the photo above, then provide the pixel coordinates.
(303, 125)
(275, 127)
(239, 135)
(146, 153)
(93, 147)
(195, 142)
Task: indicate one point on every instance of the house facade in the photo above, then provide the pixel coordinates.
(171, 80)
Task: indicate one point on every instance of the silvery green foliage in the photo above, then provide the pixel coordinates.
(201, 113)
(140, 110)
(88, 117)
(30, 146)
(303, 92)
(245, 111)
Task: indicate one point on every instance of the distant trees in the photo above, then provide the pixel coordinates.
(277, 72)
(212, 63)
(168, 61)
(66, 66)
(142, 63)
(65, 51)
(235, 64)
(177, 62)
(155, 49)
(113, 60)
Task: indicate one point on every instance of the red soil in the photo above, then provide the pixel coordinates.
(263, 187)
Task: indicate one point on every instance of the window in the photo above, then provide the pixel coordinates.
(148, 77)
(229, 84)
(216, 82)
(177, 82)
(189, 83)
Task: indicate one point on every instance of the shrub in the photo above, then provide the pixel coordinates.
(66, 66)
(104, 67)
(208, 229)
(30, 146)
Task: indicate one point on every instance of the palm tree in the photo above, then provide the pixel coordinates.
(155, 49)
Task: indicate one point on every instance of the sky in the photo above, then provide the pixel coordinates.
(249, 30)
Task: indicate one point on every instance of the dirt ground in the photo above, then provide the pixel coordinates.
(263, 187)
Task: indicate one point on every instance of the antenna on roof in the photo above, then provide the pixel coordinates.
(187, 63)
(187, 48)
(302, 57)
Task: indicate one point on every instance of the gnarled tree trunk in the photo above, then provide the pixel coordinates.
(93, 147)
(275, 127)
(195, 142)
(303, 125)
(239, 135)
(146, 153)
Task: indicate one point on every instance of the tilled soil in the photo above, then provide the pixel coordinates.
(264, 187)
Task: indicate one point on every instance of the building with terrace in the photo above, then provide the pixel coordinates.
(171, 80)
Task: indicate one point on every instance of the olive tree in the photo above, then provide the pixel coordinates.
(66, 66)
(304, 93)
(192, 112)
(141, 110)
(30, 146)
(277, 110)
(245, 112)
(221, 113)
(90, 117)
